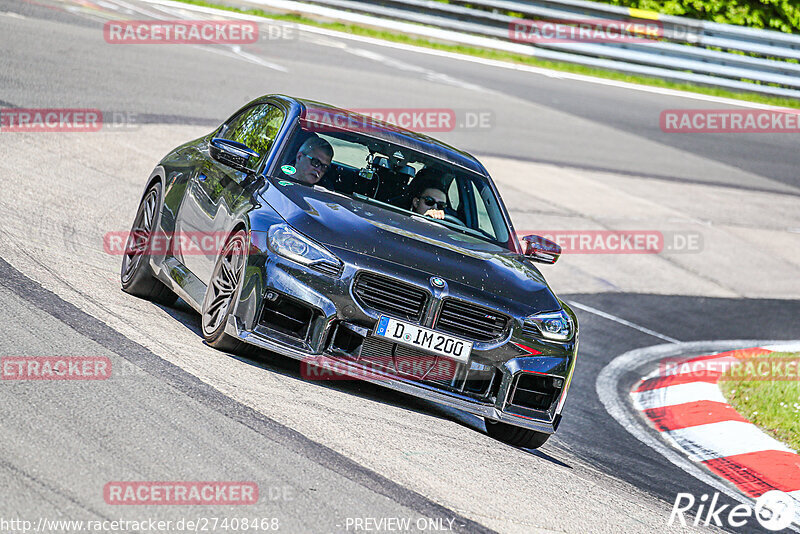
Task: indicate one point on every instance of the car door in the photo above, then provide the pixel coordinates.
(216, 192)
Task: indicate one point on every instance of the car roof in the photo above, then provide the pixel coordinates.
(313, 113)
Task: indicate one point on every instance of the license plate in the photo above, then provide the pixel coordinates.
(422, 338)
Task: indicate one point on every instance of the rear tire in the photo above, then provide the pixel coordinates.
(223, 290)
(136, 275)
(514, 435)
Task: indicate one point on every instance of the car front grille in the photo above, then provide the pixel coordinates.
(442, 373)
(387, 295)
(417, 364)
(471, 321)
(377, 351)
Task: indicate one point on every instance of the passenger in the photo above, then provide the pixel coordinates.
(313, 159)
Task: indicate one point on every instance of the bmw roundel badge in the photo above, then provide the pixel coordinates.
(438, 282)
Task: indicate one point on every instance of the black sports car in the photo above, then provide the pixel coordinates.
(343, 241)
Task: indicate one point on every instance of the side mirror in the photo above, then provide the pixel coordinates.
(233, 154)
(541, 250)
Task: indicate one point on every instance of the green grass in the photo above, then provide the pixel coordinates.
(773, 405)
(507, 56)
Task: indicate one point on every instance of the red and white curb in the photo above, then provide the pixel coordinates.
(709, 438)
(688, 408)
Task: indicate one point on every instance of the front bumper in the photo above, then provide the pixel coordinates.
(333, 305)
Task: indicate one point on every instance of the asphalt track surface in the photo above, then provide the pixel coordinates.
(175, 409)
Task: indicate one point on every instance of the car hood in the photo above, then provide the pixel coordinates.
(341, 222)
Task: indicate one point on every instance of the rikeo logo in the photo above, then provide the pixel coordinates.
(774, 510)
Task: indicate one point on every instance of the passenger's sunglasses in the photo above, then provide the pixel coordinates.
(316, 163)
(430, 201)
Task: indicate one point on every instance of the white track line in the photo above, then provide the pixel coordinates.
(430, 75)
(721, 439)
(256, 59)
(236, 52)
(678, 394)
(233, 51)
(482, 61)
(616, 319)
(136, 9)
(791, 347)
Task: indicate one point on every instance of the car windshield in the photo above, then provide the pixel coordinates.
(397, 178)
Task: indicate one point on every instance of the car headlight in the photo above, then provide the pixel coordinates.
(555, 326)
(284, 240)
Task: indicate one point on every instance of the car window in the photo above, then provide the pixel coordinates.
(484, 223)
(377, 170)
(489, 217)
(255, 127)
(453, 197)
(347, 153)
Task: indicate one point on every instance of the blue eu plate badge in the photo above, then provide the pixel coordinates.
(382, 325)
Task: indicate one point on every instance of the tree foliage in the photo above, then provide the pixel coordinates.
(782, 15)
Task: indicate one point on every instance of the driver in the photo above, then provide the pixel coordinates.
(313, 159)
(430, 202)
(428, 197)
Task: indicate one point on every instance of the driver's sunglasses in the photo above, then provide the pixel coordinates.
(316, 163)
(430, 201)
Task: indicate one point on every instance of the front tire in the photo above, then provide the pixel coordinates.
(221, 294)
(514, 435)
(136, 275)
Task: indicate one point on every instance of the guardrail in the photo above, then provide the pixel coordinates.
(686, 50)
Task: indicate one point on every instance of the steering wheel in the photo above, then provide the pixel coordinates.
(453, 219)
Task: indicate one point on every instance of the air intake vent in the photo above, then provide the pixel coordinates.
(471, 321)
(536, 391)
(387, 295)
(287, 316)
(327, 268)
(530, 330)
